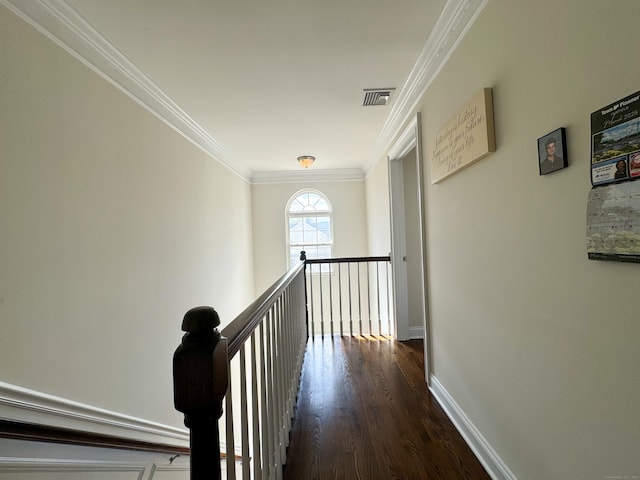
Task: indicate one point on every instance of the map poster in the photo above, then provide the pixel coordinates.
(613, 222)
(615, 141)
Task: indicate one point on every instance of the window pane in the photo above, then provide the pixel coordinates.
(311, 222)
(295, 237)
(310, 236)
(296, 205)
(312, 251)
(309, 226)
(324, 230)
(294, 255)
(309, 202)
(322, 205)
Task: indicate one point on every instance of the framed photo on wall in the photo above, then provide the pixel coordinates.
(552, 151)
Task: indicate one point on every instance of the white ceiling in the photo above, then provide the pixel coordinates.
(258, 83)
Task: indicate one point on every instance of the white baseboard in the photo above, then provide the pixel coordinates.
(416, 333)
(491, 461)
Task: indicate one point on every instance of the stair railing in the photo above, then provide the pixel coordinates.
(261, 351)
(259, 356)
(350, 296)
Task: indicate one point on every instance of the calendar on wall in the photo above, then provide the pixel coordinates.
(613, 222)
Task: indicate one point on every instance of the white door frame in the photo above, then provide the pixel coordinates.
(408, 140)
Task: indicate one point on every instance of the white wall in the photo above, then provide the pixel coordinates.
(269, 202)
(111, 227)
(536, 344)
(378, 213)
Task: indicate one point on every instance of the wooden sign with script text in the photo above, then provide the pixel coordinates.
(467, 138)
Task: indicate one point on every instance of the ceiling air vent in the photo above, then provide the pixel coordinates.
(376, 96)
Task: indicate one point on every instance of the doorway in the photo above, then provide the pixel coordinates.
(408, 247)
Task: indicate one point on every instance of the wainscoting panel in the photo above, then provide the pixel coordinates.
(130, 449)
(171, 473)
(36, 469)
(26, 460)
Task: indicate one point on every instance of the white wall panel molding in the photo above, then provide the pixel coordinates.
(65, 27)
(454, 22)
(29, 460)
(491, 461)
(21, 404)
(69, 469)
(161, 472)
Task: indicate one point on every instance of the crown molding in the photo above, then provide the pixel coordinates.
(455, 20)
(407, 140)
(68, 29)
(298, 176)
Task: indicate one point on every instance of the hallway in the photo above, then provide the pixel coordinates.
(364, 412)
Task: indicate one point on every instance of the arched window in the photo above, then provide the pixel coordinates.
(309, 226)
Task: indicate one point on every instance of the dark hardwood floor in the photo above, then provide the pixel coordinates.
(364, 413)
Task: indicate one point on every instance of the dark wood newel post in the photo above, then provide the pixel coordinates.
(200, 381)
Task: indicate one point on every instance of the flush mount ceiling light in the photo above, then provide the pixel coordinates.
(306, 160)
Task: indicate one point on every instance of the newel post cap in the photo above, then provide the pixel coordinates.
(200, 319)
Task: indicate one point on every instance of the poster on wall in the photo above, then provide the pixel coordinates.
(615, 141)
(613, 222)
